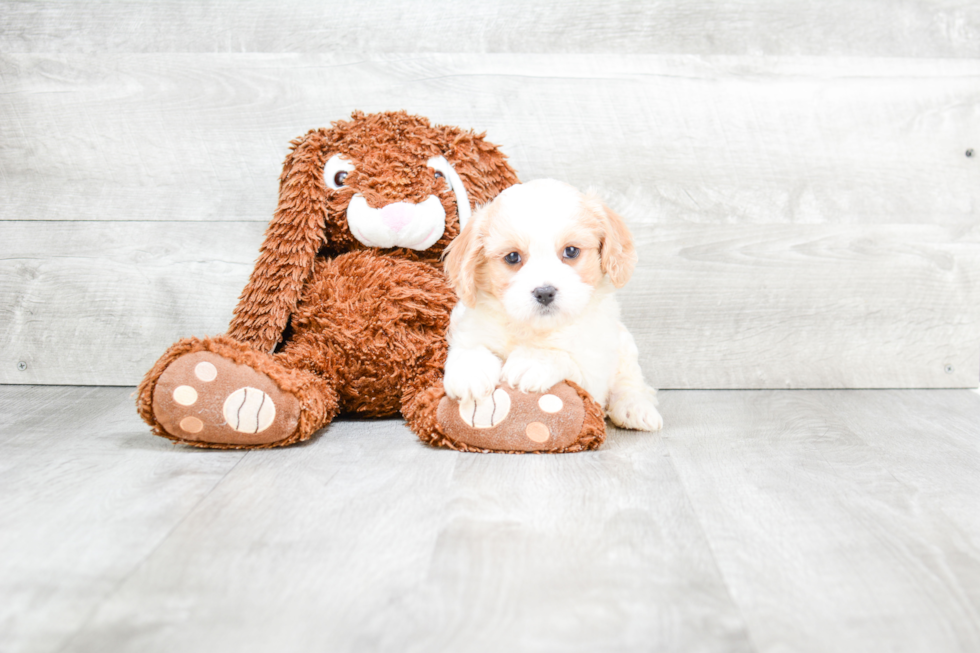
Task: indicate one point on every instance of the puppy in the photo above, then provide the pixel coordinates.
(536, 272)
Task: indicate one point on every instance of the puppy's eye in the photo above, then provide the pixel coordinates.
(571, 252)
(513, 258)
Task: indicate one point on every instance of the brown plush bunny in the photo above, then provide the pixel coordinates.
(348, 306)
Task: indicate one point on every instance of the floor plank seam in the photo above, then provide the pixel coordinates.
(435, 540)
(948, 520)
(711, 549)
(122, 581)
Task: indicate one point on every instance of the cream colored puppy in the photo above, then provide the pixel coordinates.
(536, 272)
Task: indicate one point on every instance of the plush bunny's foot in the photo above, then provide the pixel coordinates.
(221, 394)
(563, 419)
(204, 398)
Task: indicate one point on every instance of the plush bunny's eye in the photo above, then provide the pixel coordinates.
(439, 174)
(444, 170)
(335, 171)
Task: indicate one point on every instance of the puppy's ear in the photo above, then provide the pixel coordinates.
(463, 257)
(618, 254)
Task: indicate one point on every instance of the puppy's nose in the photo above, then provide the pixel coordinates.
(545, 294)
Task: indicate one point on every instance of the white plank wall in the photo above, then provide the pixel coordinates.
(746, 306)
(804, 221)
(716, 140)
(875, 28)
(96, 303)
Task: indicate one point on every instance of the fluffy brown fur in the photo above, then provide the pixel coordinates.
(343, 327)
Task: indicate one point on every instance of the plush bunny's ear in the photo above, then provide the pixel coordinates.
(480, 164)
(292, 240)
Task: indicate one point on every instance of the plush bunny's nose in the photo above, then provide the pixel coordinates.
(397, 215)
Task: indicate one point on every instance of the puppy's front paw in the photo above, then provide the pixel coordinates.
(635, 411)
(530, 373)
(471, 374)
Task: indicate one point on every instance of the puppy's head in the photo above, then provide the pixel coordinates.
(541, 249)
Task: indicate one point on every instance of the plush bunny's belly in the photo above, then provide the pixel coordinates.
(375, 326)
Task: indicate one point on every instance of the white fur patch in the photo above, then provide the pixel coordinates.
(471, 374)
(546, 269)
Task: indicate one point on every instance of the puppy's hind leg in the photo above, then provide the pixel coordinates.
(632, 403)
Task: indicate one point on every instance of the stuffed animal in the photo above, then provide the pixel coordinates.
(347, 308)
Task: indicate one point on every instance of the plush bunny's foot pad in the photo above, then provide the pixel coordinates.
(208, 400)
(562, 420)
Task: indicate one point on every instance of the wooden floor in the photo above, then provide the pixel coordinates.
(757, 521)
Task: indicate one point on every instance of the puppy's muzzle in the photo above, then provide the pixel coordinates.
(545, 294)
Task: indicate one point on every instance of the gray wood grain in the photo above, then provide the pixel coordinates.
(95, 303)
(711, 306)
(756, 521)
(371, 542)
(839, 519)
(88, 497)
(913, 454)
(806, 306)
(927, 28)
(708, 140)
